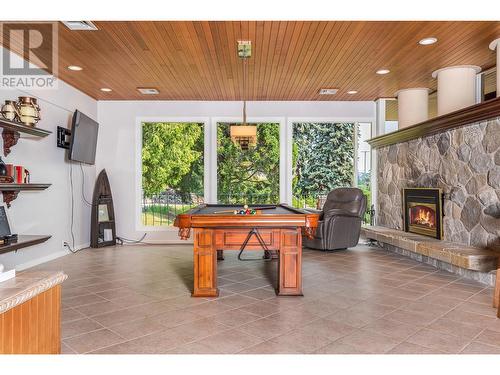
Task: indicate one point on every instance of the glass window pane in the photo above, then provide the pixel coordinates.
(364, 162)
(172, 170)
(248, 163)
(323, 159)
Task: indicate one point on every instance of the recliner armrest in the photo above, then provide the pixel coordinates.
(339, 212)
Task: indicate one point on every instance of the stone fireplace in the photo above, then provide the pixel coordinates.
(464, 163)
(423, 211)
(438, 191)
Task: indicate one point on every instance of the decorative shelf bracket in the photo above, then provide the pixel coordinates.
(9, 196)
(12, 131)
(10, 138)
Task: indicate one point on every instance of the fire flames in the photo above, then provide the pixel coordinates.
(422, 215)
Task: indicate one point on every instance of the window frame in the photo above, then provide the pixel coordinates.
(212, 198)
(210, 155)
(138, 166)
(289, 139)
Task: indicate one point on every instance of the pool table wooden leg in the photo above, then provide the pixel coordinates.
(290, 263)
(205, 264)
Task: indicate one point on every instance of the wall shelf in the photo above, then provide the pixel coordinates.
(475, 113)
(11, 133)
(10, 190)
(23, 241)
(25, 129)
(13, 130)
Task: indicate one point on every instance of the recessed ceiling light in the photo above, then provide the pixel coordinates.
(352, 92)
(427, 41)
(148, 90)
(106, 89)
(75, 67)
(328, 91)
(383, 71)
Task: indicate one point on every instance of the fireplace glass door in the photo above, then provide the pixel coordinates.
(423, 212)
(422, 218)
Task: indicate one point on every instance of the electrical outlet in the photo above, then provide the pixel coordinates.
(64, 244)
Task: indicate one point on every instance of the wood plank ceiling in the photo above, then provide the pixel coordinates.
(291, 60)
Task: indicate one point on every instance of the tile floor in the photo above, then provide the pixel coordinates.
(136, 299)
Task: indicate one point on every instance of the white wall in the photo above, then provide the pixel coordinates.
(48, 212)
(117, 149)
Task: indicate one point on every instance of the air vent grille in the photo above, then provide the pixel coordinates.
(328, 91)
(148, 90)
(80, 25)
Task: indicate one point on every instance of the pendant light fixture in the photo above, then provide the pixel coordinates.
(244, 135)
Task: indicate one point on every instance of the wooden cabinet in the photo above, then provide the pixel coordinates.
(33, 327)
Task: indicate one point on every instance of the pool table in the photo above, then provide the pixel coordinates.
(273, 228)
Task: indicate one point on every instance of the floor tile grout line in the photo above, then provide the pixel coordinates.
(69, 346)
(398, 265)
(432, 322)
(482, 343)
(472, 340)
(164, 330)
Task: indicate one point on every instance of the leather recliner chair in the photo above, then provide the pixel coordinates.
(340, 220)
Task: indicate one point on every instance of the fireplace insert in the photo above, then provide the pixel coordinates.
(423, 211)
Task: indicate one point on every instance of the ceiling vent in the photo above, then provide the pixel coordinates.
(328, 91)
(80, 25)
(148, 91)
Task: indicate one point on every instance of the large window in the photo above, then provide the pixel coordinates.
(364, 162)
(323, 159)
(245, 164)
(172, 170)
(248, 163)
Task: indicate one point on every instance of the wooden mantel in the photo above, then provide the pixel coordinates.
(475, 113)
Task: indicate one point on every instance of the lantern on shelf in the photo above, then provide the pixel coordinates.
(9, 110)
(28, 110)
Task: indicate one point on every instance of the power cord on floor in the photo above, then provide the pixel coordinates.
(128, 241)
(66, 245)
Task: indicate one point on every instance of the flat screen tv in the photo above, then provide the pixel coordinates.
(83, 138)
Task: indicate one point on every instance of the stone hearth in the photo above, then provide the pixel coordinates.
(468, 261)
(463, 162)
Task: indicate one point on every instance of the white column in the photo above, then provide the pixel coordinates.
(456, 88)
(380, 117)
(496, 45)
(413, 106)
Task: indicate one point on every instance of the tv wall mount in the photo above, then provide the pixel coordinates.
(63, 137)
